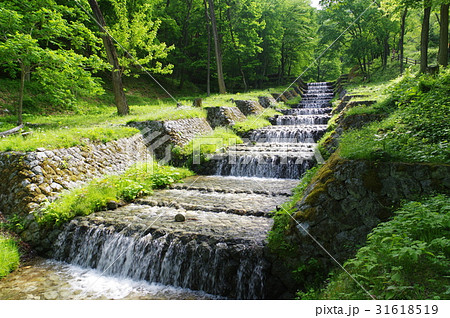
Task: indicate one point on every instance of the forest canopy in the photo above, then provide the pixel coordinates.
(215, 45)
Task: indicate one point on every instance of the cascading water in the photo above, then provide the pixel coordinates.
(220, 247)
(221, 264)
(305, 123)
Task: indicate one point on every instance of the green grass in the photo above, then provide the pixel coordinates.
(294, 101)
(202, 146)
(255, 121)
(9, 255)
(226, 99)
(64, 138)
(405, 258)
(96, 117)
(137, 181)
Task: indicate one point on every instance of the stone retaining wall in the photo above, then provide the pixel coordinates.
(30, 178)
(347, 199)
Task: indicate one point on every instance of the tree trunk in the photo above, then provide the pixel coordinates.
(424, 36)
(402, 38)
(208, 63)
(318, 71)
(23, 74)
(385, 51)
(443, 37)
(220, 77)
(119, 94)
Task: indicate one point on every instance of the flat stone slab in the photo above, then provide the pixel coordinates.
(236, 203)
(135, 219)
(265, 186)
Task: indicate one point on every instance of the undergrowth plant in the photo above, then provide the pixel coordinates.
(255, 122)
(9, 255)
(202, 146)
(407, 257)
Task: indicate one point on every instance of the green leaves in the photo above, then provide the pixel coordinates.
(407, 257)
(137, 32)
(41, 38)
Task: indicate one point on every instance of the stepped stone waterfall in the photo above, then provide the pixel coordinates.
(220, 248)
(286, 149)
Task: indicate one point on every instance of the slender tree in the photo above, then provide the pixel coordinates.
(402, 38)
(111, 53)
(208, 61)
(443, 37)
(424, 36)
(218, 49)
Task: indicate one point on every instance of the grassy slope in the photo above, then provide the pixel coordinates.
(417, 127)
(96, 119)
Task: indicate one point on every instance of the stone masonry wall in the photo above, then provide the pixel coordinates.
(30, 178)
(348, 198)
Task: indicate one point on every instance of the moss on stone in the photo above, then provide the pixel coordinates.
(305, 215)
(315, 193)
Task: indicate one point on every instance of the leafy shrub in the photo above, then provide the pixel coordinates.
(9, 255)
(137, 181)
(405, 258)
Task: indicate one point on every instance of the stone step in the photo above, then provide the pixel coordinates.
(137, 219)
(264, 157)
(203, 200)
(306, 111)
(289, 133)
(319, 119)
(323, 104)
(274, 187)
(283, 147)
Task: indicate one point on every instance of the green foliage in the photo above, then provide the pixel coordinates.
(9, 255)
(137, 181)
(417, 130)
(405, 258)
(282, 217)
(294, 101)
(45, 39)
(252, 122)
(14, 223)
(132, 25)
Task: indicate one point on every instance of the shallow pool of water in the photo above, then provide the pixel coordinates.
(48, 279)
